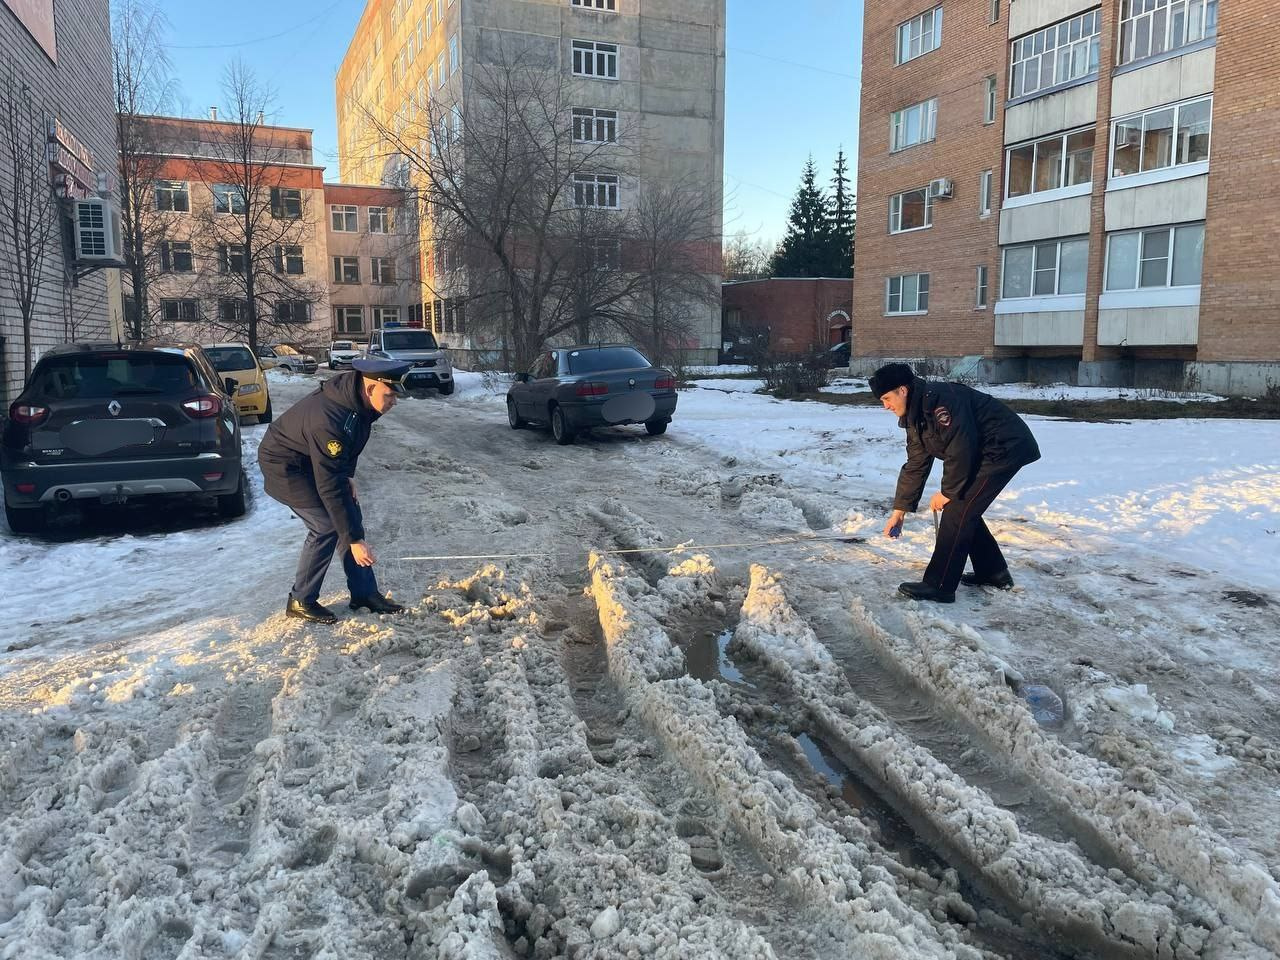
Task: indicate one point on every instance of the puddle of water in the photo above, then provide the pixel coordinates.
(706, 658)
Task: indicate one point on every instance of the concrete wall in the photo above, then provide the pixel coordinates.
(1028, 15)
(1165, 82)
(77, 89)
(1058, 328)
(1149, 326)
(1052, 113)
(1156, 204)
(1044, 221)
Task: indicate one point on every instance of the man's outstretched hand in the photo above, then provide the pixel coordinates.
(363, 554)
(893, 528)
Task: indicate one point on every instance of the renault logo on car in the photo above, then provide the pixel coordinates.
(114, 408)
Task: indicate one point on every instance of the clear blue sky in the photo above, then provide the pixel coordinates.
(792, 87)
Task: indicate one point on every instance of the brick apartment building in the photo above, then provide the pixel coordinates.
(58, 55)
(657, 68)
(788, 314)
(1039, 196)
(330, 261)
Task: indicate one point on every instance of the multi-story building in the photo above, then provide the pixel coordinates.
(659, 70)
(1063, 188)
(326, 260)
(57, 145)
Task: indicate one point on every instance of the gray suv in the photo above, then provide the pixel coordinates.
(431, 366)
(105, 422)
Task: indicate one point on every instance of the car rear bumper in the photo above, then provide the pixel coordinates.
(61, 482)
(586, 414)
(424, 377)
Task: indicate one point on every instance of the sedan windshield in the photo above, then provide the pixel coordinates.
(409, 340)
(98, 376)
(342, 345)
(225, 359)
(606, 358)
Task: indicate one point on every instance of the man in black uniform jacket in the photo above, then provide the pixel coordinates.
(308, 460)
(982, 444)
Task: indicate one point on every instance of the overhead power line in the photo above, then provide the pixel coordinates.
(244, 43)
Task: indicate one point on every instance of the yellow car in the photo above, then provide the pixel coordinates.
(236, 361)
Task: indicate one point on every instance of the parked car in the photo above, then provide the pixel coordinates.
(342, 352)
(266, 357)
(431, 366)
(576, 388)
(291, 360)
(236, 360)
(838, 355)
(109, 423)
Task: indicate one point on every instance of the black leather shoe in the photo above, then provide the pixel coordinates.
(922, 591)
(1001, 580)
(375, 603)
(302, 610)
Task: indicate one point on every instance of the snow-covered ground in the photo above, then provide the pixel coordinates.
(580, 742)
(1051, 391)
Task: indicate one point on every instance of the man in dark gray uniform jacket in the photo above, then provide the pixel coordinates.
(982, 444)
(308, 460)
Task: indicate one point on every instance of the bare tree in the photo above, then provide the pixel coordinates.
(29, 221)
(144, 86)
(745, 258)
(675, 242)
(258, 225)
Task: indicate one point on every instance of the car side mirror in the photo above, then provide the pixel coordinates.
(230, 383)
(522, 377)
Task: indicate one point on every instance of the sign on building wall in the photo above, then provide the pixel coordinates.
(37, 17)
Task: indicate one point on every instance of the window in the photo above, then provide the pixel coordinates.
(232, 258)
(601, 253)
(1150, 27)
(595, 126)
(995, 11)
(594, 4)
(595, 190)
(180, 310)
(346, 269)
(286, 204)
(348, 319)
(343, 218)
(455, 123)
(1050, 269)
(382, 316)
(918, 36)
(227, 198)
(293, 311)
(916, 124)
(173, 195)
(233, 311)
(912, 210)
(989, 91)
(984, 192)
(289, 259)
(1163, 257)
(379, 219)
(908, 293)
(453, 54)
(1063, 160)
(176, 257)
(442, 74)
(1168, 137)
(383, 269)
(1055, 55)
(980, 300)
(592, 59)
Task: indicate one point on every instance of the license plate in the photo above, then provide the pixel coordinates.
(94, 437)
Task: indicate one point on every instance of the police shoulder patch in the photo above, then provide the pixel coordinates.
(943, 416)
(334, 448)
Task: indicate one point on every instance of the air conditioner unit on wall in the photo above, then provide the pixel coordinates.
(97, 223)
(940, 189)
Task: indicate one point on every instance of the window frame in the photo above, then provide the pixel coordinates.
(279, 313)
(231, 192)
(286, 258)
(1126, 47)
(383, 218)
(168, 256)
(606, 6)
(1036, 268)
(286, 203)
(595, 53)
(986, 191)
(340, 265)
(1091, 43)
(935, 35)
(982, 295)
(901, 278)
(455, 60)
(341, 319)
(237, 315)
(382, 271)
(1064, 165)
(597, 182)
(173, 189)
(990, 99)
(1141, 116)
(896, 203)
(181, 303)
(227, 257)
(591, 120)
(344, 210)
(928, 124)
(381, 314)
(1173, 231)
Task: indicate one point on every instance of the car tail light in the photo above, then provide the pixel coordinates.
(25, 487)
(664, 383)
(596, 389)
(212, 477)
(207, 406)
(28, 413)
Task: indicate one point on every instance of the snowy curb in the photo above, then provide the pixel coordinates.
(1136, 825)
(769, 811)
(1042, 876)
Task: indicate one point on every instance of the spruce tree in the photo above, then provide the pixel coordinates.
(843, 220)
(804, 251)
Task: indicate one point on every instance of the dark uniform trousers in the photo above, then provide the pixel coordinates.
(962, 534)
(317, 552)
